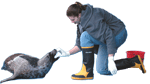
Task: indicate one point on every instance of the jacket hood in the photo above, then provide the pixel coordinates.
(86, 15)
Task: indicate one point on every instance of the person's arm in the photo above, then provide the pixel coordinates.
(74, 50)
(110, 55)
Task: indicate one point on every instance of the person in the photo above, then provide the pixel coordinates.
(102, 33)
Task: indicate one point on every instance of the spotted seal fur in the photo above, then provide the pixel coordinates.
(27, 67)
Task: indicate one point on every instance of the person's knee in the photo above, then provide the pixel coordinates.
(85, 40)
(84, 35)
(103, 71)
(99, 71)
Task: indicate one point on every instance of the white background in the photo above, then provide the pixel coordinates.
(35, 27)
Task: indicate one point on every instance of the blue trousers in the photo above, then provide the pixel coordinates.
(86, 40)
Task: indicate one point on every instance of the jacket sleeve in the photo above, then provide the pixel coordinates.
(78, 38)
(110, 41)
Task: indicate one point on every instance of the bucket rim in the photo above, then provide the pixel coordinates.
(130, 51)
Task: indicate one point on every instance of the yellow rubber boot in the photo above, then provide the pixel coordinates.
(88, 62)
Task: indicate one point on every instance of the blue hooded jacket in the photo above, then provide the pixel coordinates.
(101, 25)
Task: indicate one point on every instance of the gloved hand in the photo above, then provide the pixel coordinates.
(63, 53)
(111, 65)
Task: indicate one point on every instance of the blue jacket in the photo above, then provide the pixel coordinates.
(101, 25)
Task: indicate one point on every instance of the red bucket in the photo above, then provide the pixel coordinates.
(131, 54)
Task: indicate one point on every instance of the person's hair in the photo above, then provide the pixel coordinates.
(75, 9)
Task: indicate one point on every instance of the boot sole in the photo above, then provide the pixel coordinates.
(75, 78)
(141, 66)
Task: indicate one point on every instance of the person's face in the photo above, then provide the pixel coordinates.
(75, 19)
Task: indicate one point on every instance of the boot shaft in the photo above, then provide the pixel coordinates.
(124, 63)
(88, 58)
